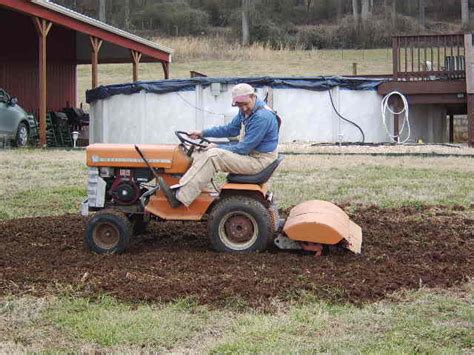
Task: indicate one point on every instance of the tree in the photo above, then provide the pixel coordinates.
(355, 11)
(245, 22)
(126, 15)
(394, 13)
(338, 10)
(465, 12)
(102, 10)
(421, 9)
(365, 11)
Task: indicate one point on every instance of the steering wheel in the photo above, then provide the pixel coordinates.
(190, 144)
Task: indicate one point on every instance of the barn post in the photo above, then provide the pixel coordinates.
(166, 69)
(42, 27)
(96, 43)
(136, 56)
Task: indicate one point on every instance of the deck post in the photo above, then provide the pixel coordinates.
(451, 127)
(96, 43)
(136, 56)
(469, 54)
(42, 27)
(395, 56)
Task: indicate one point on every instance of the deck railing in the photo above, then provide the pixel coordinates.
(429, 57)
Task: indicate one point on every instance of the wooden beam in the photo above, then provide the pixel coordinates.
(96, 43)
(136, 56)
(432, 87)
(42, 27)
(166, 69)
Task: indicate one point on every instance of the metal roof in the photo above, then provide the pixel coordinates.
(91, 21)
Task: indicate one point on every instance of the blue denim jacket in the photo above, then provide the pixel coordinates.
(261, 131)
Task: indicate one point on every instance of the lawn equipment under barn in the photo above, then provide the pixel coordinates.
(240, 214)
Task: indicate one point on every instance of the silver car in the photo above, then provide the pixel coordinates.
(15, 124)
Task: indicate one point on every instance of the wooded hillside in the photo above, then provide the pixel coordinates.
(294, 23)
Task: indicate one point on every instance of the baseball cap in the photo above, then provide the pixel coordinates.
(240, 93)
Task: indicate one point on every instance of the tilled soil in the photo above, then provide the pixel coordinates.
(402, 249)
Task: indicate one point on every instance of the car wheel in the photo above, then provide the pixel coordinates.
(22, 135)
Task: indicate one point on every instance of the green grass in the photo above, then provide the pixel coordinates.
(423, 321)
(53, 182)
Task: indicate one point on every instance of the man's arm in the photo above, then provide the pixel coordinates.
(231, 129)
(255, 131)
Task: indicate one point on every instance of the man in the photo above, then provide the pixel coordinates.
(258, 127)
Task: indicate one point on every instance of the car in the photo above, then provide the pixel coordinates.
(15, 124)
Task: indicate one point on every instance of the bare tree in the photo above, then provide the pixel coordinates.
(365, 11)
(102, 16)
(465, 12)
(394, 13)
(245, 23)
(355, 11)
(421, 15)
(126, 15)
(339, 10)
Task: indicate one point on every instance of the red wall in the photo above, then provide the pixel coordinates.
(19, 62)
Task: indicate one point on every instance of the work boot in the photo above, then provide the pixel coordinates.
(169, 193)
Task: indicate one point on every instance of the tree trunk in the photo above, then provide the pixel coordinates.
(102, 17)
(394, 13)
(355, 11)
(339, 10)
(126, 21)
(465, 13)
(421, 8)
(365, 11)
(245, 23)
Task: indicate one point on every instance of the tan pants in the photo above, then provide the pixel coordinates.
(206, 164)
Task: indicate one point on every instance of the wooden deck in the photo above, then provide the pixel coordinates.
(435, 70)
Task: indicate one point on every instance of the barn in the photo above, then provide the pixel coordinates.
(42, 44)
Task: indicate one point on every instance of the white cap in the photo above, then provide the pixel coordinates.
(241, 92)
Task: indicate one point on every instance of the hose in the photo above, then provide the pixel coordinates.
(406, 121)
(345, 119)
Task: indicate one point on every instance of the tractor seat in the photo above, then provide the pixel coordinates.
(259, 178)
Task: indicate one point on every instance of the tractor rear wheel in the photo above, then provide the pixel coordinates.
(108, 232)
(240, 224)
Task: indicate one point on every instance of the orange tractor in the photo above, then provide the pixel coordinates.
(241, 215)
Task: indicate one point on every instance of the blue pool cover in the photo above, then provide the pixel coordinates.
(318, 83)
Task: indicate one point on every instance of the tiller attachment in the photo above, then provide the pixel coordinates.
(312, 224)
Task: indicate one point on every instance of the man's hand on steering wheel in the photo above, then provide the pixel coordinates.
(189, 143)
(195, 134)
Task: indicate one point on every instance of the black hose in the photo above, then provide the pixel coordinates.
(345, 119)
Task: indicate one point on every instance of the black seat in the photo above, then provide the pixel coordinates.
(259, 178)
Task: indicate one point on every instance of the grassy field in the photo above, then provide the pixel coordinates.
(53, 182)
(219, 59)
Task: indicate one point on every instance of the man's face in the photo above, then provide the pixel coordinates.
(246, 106)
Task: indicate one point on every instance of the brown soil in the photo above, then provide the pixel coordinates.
(402, 249)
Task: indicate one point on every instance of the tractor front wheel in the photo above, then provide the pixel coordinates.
(240, 224)
(108, 232)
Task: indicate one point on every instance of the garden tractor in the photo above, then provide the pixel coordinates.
(241, 214)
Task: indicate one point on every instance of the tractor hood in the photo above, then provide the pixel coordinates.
(169, 158)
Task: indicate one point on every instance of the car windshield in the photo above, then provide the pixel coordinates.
(4, 97)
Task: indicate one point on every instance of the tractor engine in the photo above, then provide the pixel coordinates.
(125, 188)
